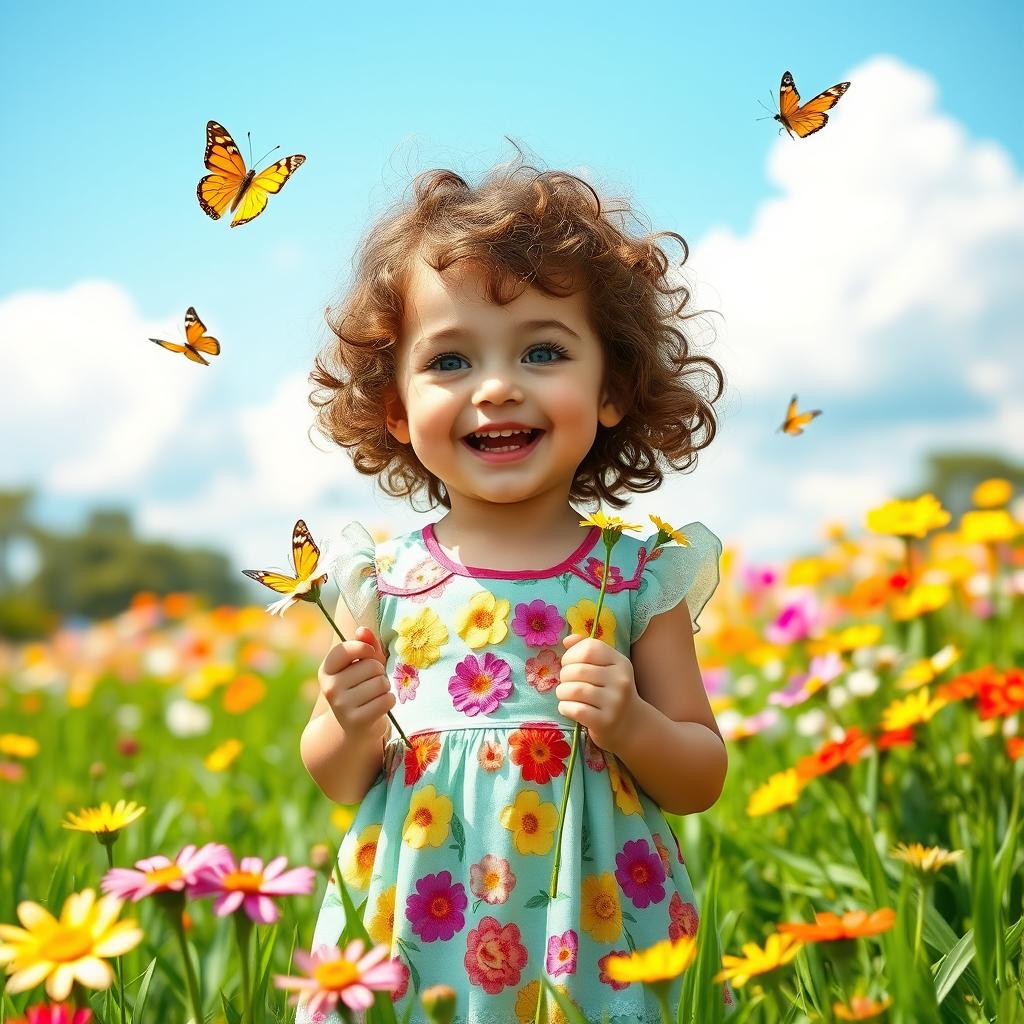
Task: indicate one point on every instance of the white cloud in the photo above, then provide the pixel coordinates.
(89, 403)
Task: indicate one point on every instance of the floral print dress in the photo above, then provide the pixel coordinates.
(450, 854)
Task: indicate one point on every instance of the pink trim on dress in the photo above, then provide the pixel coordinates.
(428, 538)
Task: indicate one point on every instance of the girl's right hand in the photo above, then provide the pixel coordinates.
(353, 682)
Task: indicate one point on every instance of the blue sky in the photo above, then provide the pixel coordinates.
(104, 117)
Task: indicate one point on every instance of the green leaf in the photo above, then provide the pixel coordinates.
(143, 994)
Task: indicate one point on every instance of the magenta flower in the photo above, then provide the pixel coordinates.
(538, 623)
(252, 887)
(158, 874)
(480, 685)
(435, 908)
(639, 871)
(349, 977)
(52, 1013)
(562, 951)
(757, 578)
(796, 621)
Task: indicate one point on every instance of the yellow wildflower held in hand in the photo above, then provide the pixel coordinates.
(778, 950)
(74, 948)
(668, 532)
(908, 518)
(610, 525)
(780, 790)
(925, 858)
(104, 822)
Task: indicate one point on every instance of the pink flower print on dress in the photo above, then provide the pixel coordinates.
(538, 623)
(480, 684)
(662, 849)
(407, 681)
(593, 755)
(495, 957)
(490, 755)
(562, 951)
(639, 872)
(542, 670)
(594, 568)
(403, 985)
(603, 974)
(436, 907)
(492, 879)
(422, 575)
(683, 918)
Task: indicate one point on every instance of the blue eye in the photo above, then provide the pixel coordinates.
(546, 346)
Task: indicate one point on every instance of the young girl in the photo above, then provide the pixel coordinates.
(512, 352)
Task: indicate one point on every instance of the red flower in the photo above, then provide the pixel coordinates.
(831, 755)
(1003, 695)
(896, 738)
(423, 753)
(540, 751)
(495, 957)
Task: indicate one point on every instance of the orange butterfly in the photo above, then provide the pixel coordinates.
(303, 586)
(794, 421)
(811, 117)
(196, 340)
(232, 184)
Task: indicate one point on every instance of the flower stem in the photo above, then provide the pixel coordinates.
(334, 626)
(109, 847)
(243, 928)
(919, 922)
(190, 972)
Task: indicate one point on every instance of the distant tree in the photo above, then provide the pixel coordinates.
(95, 571)
(952, 477)
(14, 525)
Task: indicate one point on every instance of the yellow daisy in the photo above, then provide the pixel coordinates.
(581, 620)
(420, 638)
(609, 523)
(526, 1004)
(677, 535)
(13, 745)
(381, 926)
(778, 950)
(104, 820)
(358, 855)
(223, 756)
(74, 948)
(531, 823)
(429, 819)
(626, 797)
(781, 789)
(663, 961)
(601, 913)
(484, 620)
(918, 707)
(925, 858)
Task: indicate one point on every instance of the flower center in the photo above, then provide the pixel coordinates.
(604, 906)
(640, 874)
(68, 945)
(537, 623)
(336, 974)
(365, 856)
(423, 817)
(481, 683)
(439, 906)
(165, 876)
(529, 823)
(491, 880)
(484, 619)
(244, 881)
(564, 954)
(540, 752)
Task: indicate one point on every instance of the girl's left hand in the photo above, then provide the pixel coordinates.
(597, 689)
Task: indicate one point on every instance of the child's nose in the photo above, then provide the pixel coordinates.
(498, 386)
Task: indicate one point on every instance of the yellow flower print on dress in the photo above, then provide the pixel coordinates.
(581, 620)
(601, 913)
(526, 1004)
(420, 638)
(626, 797)
(381, 927)
(358, 856)
(428, 820)
(531, 823)
(483, 620)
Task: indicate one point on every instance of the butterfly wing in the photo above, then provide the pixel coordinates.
(789, 98)
(195, 331)
(218, 190)
(277, 581)
(187, 350)
(305, 553)
(269, 180)
(811, 117)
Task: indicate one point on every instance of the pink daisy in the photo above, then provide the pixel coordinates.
(538, 623)
(158, 874)
(349, 977)
(251, 886)
(407, 681)
(543, 669)
(480, 684)
(562, 951)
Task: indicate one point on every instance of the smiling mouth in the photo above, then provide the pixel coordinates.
(521, 439)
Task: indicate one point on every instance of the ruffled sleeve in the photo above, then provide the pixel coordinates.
(677, 572)
(352, 565)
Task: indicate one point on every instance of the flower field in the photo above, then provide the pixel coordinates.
(863, 862)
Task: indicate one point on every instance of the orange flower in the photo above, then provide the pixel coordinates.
(1015, 747)
(895, 738)
(423, 752)
(831, 755)
(244, 692)
(1002, 696)
(966, 685)
(828, 927)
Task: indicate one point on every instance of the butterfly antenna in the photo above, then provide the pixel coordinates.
(265, 155)
(248, 135)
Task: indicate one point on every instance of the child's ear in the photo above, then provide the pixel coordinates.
(395, 417)
(609, 415)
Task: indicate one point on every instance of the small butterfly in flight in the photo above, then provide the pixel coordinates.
(196, 340)
(231, 185)
(303, 586)
(796, 421)
(811, 117)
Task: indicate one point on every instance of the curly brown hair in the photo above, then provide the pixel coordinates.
(522, 226)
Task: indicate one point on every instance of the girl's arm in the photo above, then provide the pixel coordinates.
(343, 766)
(674, 749)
